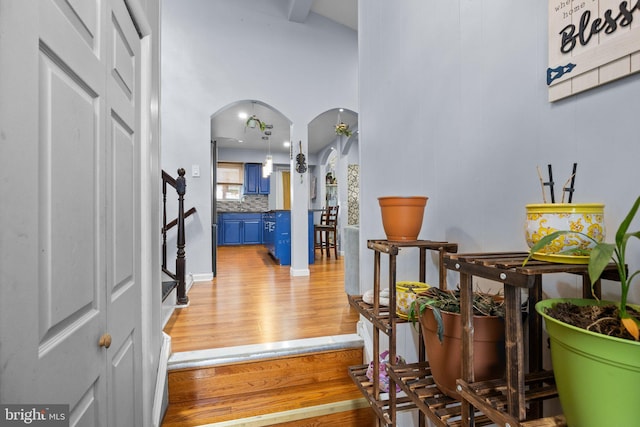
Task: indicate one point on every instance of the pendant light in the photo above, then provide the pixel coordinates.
(267, 166)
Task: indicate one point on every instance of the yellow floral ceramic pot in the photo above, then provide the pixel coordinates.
(545, 218)
(405, 294)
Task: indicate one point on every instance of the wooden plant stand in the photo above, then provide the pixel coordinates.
(385, 320)
(517, 399)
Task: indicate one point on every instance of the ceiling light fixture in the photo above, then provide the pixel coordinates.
(267, 166)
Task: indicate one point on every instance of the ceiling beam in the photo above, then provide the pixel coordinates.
(299, 10)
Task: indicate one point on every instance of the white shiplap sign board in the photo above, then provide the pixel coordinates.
(591, 42)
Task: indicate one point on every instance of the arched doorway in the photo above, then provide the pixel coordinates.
(333, 141)
(248, 132)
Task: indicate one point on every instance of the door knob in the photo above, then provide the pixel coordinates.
(105, 341)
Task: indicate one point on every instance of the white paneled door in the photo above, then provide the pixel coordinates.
(71, 332)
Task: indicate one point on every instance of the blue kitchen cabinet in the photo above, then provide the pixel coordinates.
(231, 230)
(252, 230)
(265, 183)
(276, 235)
(268, 230)
(254, 183)
(240, 228)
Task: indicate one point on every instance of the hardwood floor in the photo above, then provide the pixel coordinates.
(253, 300)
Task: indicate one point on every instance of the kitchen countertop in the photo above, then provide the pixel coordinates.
(273, 210)
(238, 212)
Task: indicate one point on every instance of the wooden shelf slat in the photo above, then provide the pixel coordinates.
(416, 381)
(381, 407)
(385, 320)
(518, 400)
(381, 320)
(391, 246)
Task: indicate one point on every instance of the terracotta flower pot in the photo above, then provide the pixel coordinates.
(445, 359)
(402, 216)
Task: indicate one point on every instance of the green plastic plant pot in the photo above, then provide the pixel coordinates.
(597, 375)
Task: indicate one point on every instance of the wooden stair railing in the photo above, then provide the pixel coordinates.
(180, 185)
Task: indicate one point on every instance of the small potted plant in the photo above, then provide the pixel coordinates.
(343, 129)
(254, 121)
(438, 312)
(597, 371)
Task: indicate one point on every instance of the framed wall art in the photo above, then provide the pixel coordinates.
(591, 42)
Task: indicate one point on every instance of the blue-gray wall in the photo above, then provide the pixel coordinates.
(453, 105)
(217, 52)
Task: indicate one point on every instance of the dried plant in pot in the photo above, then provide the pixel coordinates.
(597, 371)
(438, 312)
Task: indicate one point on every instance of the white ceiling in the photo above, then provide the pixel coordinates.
(230, 131)
(344, 12)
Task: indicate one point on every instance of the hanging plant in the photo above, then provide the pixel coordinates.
(343, 129)
(253, 121)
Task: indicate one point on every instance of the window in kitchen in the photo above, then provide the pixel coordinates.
(230, 179)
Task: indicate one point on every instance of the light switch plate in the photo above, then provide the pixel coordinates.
(195, 171)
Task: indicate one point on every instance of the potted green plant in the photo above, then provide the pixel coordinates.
(343, 129)
(438, 312)
(254, 121)
(596, 371)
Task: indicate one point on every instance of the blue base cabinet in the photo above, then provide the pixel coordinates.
(276, 235)
(240, 229)
(252, 230)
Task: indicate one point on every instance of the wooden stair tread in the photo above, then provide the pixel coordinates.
(212, 410)
(204, 395)
(240, 379)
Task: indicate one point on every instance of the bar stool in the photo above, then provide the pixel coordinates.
(325, 234)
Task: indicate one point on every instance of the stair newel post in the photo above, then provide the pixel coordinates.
(181, 187)
(164, 222)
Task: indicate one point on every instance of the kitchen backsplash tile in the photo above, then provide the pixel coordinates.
(353, 194)
(250, 203)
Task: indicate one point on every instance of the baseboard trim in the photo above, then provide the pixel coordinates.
(367, 339)
(161, 379)
(299, 272)
(201, 277)
(294, 414)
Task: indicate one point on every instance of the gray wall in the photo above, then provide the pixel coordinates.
(218, 52)
(453, 105)
(471, 101)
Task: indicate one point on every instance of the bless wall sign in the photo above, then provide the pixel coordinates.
(591, 42)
